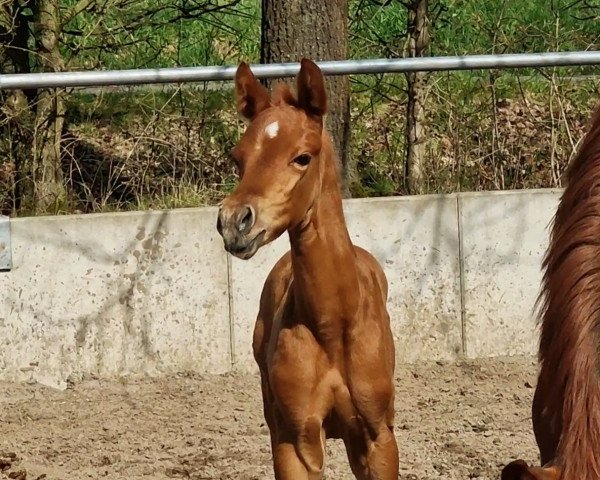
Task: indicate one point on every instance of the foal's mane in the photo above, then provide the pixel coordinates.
(570, 308)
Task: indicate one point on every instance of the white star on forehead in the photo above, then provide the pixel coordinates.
(271, 129)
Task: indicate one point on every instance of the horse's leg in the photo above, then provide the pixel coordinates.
(295, 456)
(299, 456)
(382, 457)
(545, 429)
(370, 442)
(286, 464)
(375, 459)
(371, 387)
(356, 449)
(357, 457)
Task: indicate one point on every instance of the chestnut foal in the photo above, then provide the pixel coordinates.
(322, 339)
(566, 404)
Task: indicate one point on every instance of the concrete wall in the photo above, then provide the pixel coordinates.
(504, 238)
(154, 292)
(114, 294)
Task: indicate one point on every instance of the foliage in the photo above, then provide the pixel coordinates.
(156, 147)
(117, 34)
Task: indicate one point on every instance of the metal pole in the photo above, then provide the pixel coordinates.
(341, 67)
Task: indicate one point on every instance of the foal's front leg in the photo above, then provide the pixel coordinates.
(373, 459)
(298, 456)
(372, 448)
(383, 456)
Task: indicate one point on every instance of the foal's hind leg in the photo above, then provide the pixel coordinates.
(545, 422)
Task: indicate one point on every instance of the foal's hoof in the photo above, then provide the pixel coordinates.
(519, 470)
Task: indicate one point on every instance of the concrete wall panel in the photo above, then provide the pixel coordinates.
(114, 294)
(504, 238)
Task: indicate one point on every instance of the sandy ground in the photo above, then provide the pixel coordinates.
(453, 422)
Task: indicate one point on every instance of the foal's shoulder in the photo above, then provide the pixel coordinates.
(282, 268)
(366, 259)
(370, 267)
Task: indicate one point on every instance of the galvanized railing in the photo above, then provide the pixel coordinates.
(221, 73)
(341, 67)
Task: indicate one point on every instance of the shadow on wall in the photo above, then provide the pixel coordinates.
(150, 292)
(416, 241)
(120, 270)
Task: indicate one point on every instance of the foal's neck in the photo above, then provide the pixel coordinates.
(323, 257)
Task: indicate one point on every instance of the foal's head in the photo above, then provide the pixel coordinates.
(278, 160)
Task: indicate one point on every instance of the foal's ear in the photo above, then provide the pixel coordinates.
(311, 88)
(252, 97)
(519, 470)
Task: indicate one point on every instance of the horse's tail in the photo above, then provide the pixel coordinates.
(570, 307)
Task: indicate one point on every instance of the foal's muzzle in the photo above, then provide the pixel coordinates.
(234, 224)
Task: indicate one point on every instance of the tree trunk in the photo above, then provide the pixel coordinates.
(292, 29)
(41, 187)
(15, 113)
(418, 41)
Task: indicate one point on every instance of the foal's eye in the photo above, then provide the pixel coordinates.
(302, 160)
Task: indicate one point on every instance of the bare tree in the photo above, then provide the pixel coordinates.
(292, 29)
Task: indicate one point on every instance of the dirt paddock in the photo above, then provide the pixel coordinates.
(453, 422)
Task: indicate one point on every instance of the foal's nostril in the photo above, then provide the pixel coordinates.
(247, 220)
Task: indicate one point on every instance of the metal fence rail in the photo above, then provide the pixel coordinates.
(341, 67)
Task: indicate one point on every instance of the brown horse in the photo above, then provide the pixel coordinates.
(566, 405)
(322, 338)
